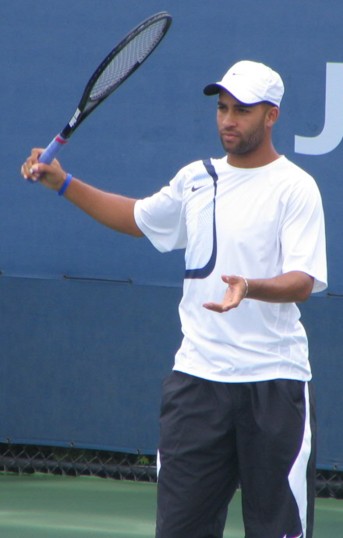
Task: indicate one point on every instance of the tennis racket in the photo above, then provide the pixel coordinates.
(118, 65)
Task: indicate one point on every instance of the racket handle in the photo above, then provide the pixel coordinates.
(52, 149)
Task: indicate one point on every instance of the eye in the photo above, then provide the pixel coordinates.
(243, 110)
(220, 106)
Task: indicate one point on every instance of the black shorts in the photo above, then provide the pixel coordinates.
(216, 436)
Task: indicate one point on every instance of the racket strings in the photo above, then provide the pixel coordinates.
(131, 55)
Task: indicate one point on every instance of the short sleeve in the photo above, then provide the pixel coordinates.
(161, 216)
(303, 233)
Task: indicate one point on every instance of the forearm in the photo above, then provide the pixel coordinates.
(292, 287)
(112, 210)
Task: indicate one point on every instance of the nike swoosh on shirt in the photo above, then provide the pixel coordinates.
(194, 188)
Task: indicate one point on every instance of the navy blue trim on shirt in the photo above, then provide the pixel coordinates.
(205, 271)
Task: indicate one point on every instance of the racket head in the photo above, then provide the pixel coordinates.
(119, 64)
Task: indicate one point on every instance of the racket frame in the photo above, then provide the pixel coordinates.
(86, 105)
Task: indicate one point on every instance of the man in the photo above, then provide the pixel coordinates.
(238, 406)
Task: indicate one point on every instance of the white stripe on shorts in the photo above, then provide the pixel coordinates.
(297, 477)
(158, 463)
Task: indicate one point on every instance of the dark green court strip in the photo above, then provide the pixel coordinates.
(37, 506)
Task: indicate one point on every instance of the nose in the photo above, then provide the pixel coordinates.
(228, 120)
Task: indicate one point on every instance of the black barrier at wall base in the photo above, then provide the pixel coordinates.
(77, 462)
(119, 466)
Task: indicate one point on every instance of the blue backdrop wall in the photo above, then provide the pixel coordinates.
(89, 321)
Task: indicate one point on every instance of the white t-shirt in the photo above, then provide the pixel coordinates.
(268, 221)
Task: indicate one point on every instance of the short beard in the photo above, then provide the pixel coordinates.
(248, 144)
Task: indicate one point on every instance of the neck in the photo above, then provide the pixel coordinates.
(254, 159)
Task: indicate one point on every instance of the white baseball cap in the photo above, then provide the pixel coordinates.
(250, 83)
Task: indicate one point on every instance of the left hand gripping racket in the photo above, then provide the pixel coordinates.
(118, 65)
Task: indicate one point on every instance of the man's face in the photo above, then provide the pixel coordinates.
(242, 129)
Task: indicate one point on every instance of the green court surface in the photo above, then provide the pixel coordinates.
(37, 506)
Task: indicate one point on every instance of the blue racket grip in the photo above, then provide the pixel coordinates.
(52, 149)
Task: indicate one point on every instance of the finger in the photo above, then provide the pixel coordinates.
(26, 172)
(36, 153)
(23, 171)
(215, 307)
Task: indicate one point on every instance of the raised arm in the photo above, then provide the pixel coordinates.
(112, 210)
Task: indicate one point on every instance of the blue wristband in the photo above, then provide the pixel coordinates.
(65, 185)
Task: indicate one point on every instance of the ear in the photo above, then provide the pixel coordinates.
(272, 116)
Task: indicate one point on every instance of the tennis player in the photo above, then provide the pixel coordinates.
(238, 406)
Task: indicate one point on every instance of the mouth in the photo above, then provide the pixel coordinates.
(229, 136)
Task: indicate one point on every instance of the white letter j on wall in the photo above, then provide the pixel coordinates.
(332, 133)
